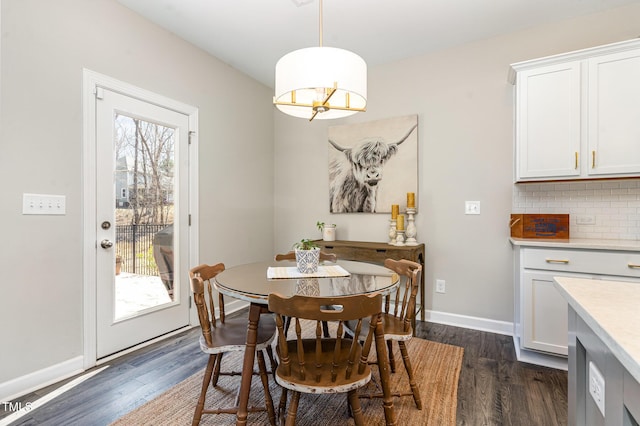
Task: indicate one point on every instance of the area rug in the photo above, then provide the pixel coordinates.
(436, 366)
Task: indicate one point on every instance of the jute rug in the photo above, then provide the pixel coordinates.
(436, 366)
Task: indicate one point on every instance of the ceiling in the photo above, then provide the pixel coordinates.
(251, 35)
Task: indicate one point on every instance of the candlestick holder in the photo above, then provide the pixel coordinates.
(411, 227)
(392, 232)
(400, 237)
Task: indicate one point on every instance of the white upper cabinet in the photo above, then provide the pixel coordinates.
(614, 113)
(577, 115)
(548, 121)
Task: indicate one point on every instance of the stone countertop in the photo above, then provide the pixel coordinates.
(610, 309)
(578, 243)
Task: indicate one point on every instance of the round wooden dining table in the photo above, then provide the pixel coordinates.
(250, 283)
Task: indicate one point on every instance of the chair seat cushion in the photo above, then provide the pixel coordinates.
(232, 335)
(310, 383)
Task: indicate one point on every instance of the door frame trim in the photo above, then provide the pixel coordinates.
(91, 81)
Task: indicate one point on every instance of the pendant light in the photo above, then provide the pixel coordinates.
(321, 82)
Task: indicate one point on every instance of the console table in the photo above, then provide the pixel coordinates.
(373, 252)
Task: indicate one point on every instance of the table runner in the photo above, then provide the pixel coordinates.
(284, 272)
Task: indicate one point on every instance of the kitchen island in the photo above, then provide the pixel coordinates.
(604, 350)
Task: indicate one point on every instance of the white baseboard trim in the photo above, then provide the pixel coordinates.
(235, 306)
(22, 385)
(539, 358)
(474, 323)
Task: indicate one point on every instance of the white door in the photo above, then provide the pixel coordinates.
(142, 239)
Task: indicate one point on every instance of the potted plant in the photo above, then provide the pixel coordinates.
(328, 230)
(307, 256)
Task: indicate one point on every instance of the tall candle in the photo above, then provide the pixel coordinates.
(411, 199)
(395, 209)
(400, 225)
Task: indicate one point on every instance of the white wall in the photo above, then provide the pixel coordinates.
(45, 46)
(465, 109)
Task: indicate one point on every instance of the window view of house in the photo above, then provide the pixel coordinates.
(143, 180)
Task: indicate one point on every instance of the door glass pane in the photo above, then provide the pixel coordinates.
(144, 207)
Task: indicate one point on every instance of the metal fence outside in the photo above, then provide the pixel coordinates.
(134, 243)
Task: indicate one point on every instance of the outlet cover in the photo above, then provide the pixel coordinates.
(440, 286)
(472, 207)
(596, 386)
(586, 220)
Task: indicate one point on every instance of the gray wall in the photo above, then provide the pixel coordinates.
(45, 46)
(465, 109)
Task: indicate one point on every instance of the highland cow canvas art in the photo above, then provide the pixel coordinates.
(373, 165)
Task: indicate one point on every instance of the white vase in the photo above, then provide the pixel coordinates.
(307, 260)
(329, 232)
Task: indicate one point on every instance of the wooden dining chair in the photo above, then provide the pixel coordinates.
(324, 257)
(323, 364)
(226, 335)
(397, 318)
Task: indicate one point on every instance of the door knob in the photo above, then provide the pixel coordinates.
(106, 244)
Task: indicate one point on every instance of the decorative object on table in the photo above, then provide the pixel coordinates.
(395, 208)
(308, 287)
(307, 256)
(321, 82)
(392, 232)
(555, 226)
(411, 231)
(357, 155)
(328, 230)
(400, 230)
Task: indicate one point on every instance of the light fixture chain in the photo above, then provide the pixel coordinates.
(320, 15)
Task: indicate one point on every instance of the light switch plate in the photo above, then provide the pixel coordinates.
(43, 204)
(472, 207)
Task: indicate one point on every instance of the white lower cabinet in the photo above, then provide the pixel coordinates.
(541, 327)
(544, 314)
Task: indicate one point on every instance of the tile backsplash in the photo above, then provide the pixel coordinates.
(611, 206)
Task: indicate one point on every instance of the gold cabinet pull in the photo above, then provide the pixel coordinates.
(565, 261)
(633, 266)
(576, 160)
(593, 159)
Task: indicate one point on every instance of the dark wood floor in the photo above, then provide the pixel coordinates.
(494, 388)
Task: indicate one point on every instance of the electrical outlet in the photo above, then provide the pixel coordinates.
(586, 220)
(472, 207)
(43, 204)
(441, 286)
(596, 386)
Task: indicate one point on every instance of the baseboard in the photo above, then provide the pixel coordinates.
(539, 358)
(474, 323)
(38, 379)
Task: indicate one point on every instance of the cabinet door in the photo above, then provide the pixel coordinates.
(614, 113)
(548, 122)
(545, 314)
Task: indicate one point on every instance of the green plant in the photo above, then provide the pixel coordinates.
(305, 244)
(320, 225)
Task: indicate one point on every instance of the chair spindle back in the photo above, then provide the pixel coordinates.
(405, 296)
(325, 358)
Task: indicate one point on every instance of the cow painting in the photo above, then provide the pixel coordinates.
(355, 174)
